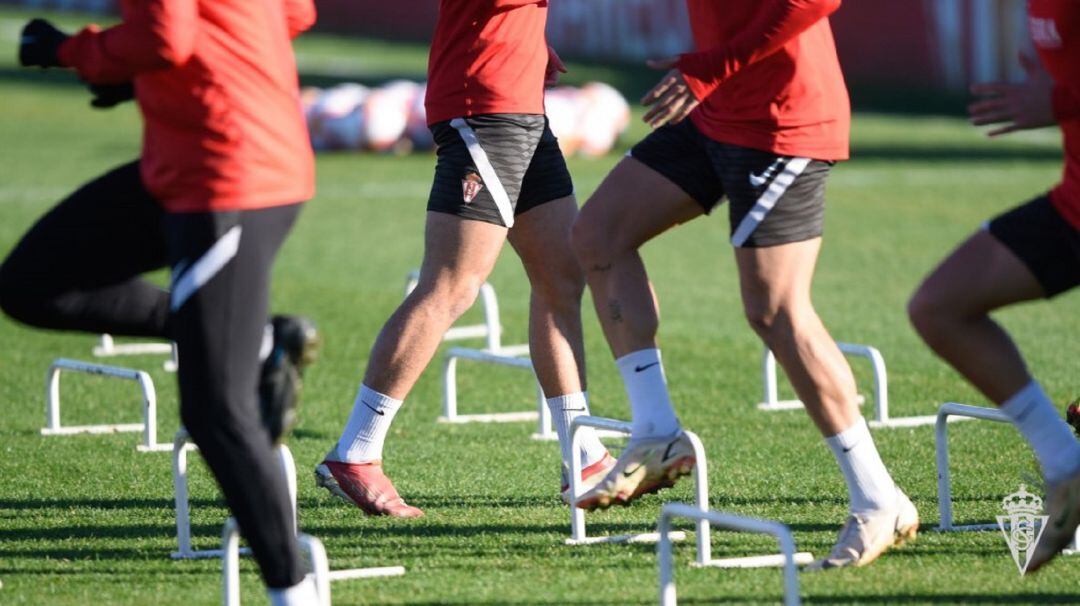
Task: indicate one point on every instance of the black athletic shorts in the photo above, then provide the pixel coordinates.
(1044, 241)
(773, 199)
(494, 167)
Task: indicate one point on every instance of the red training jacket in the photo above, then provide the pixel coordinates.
(1055, 28)
(487, 57)
(217, 86)
(768, 77)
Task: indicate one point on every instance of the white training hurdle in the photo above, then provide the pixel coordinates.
(494, 353)
(578, 530)
(771, 401)
(788, 557)
(320, 565)
(512, 357)
(182, 444)
(107, 347)
(941, 446)
(949, 411)
(54, 427)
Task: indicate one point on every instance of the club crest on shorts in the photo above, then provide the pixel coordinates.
(471, 185)
(1023, 526)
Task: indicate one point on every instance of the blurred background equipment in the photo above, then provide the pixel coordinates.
(391, 117)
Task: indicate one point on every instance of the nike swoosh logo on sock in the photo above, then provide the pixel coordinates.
(377, 411)
(645, 367)
(629, 472)
(667, 452)
(582, 409)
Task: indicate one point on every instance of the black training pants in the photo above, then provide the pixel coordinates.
(78, 268)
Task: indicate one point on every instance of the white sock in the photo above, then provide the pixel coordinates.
(372, 414)
(301, 594)
(870, 486)
(646, 386)
(1034, 415)
(565, 409)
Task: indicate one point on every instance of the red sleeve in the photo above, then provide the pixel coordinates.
(300, 15)
(777, 24)
(1066, 103)
(158, 34)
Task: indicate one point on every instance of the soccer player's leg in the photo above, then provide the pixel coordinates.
(667, 180)
(79, 266)
(458, 256)
(546, 211)
(1027, 253)
(777, 212)
(477, 181)
(219, 302)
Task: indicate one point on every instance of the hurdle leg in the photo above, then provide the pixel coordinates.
(492, 323)
(180, 495)
(941, 448)
(230, 563)
(52, 398)
(788, 558)
(544, 429)
(149, 394)
(288, 467)
(450, 397)
(320, 566)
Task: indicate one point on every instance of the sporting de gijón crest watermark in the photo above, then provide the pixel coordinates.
(1022, 525)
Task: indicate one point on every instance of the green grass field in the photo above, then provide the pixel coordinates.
(88, 519)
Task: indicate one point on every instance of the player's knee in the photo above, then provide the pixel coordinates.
(925, 312)
(559, 285)
(767, 318)
(21, 302)
(589, 241)
(450, 297)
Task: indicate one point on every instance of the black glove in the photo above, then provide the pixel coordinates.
(40, 43)
(107, 96)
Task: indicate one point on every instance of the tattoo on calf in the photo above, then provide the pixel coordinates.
(615, 310)
(602, 268)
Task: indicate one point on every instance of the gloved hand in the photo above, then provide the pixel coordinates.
(107, 96)
(40, 43)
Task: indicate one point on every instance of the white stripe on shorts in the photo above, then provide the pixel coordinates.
(768, 200)
(487, 171)
(187, 283)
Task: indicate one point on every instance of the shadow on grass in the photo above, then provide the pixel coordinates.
(107, 504)
(956, 598)
(946, 598)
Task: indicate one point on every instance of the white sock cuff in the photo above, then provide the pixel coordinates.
(851, 436)
(574, 401)
(1020, 403)
(378, 401)
(639, 359)
(301, 594)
